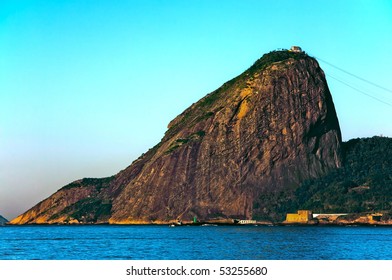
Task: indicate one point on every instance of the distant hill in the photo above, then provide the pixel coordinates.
(362, 184)
(3, 221)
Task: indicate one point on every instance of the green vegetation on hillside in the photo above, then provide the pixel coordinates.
(274, 56)
(182, 141)
(88, 210)
(99, 183)
(362, 184)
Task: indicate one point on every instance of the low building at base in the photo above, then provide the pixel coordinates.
(302, 216)
(244, 222)
(375, 217)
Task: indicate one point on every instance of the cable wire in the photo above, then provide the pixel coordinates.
(360, 91)
(355, 76)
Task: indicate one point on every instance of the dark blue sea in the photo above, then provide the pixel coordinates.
(109, 242)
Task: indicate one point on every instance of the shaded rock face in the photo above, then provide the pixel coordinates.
(264, 132)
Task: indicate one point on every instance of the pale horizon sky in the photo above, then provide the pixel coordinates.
(87, 86)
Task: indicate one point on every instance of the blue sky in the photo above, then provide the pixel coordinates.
(87, 86)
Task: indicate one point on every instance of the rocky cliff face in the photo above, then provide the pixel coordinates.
(262, 133)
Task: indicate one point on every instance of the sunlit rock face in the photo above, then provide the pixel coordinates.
(260, 134)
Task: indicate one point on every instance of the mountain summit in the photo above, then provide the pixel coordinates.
(259, 135)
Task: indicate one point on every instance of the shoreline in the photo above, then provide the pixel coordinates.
(209, 224)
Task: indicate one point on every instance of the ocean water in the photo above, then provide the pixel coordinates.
(109, 242)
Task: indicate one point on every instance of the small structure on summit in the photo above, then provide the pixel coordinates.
(296, 49)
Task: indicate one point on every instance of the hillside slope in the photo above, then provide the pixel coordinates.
(363, 184)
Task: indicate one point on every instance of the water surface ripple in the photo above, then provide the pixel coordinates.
(193, 243)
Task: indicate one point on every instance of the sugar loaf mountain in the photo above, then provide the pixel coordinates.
(264, 144)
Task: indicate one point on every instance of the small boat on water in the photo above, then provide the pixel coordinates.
(179, 223)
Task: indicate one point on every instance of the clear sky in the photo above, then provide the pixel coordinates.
(88, 86)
